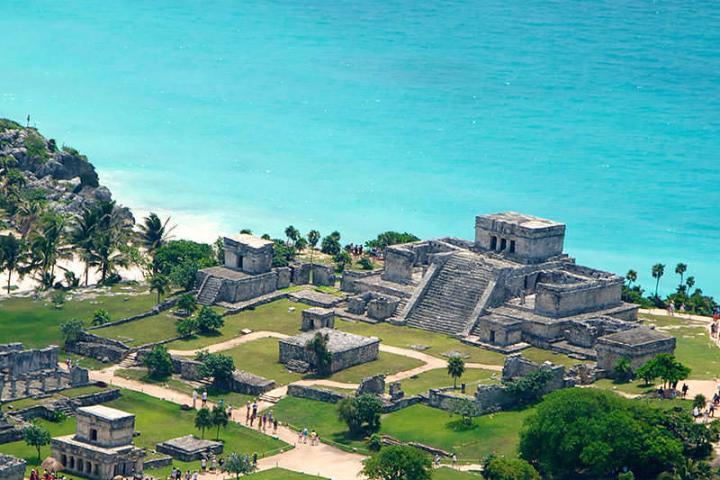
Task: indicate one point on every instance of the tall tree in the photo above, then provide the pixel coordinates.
(220, 419)
(292, 234)
(46, 247)
(82, 236)
(690, 282)
(455, 368)
(239, 464)
(631, 277)
(13, 256)
(398, 462)
(203, 420)
(159, 283)
(155, 233)
(680, 269)
(658, 270)
(36, 436)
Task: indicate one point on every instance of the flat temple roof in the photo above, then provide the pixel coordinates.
(250, 240)
(104, 412)
(522, 219)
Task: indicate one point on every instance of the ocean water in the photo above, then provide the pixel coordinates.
(374, 115)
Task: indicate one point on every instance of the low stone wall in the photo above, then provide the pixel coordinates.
(444, 398)
(187, 368)
(160, 462)
(165, 305)
(46, 410)
(249, 384)
(255, 303)
(10, 435)
(315, 393)
(322, 275)
(100, 348)
(396, 405)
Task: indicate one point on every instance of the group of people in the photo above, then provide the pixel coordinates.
(265, 421)
(203, 398)
(304, 434)
(715, 325)
(46, 475)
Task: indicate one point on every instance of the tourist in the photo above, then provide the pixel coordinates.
(275, 423)
(195, 475)
(300, 436)
(203, 464)
(204, 398)
(685, 389)
(194, 396)
(305, 435)
(696, 412)
(188, 475)
(34, 475)
(437, 460)
(221, 462)
(454, 460)
(313, 438)
(264, 422)
(254, 408)
(213, 464)
(229, 411)
(711, 409)
(254, 458)
(247, 412)
(671, 309)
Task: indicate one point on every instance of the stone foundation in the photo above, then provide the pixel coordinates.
(11, 468)
(189, 448)
(346, 349)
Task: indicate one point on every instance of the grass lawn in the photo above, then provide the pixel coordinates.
(36, 323)
(274, 316)
(261, 358)
(496, 433)
(439, 378)
(146, 330)
(282, 474)
(539, 355)
(636, 387)
(694, 347)
(406, 336)
(157, 420)
(446, 473)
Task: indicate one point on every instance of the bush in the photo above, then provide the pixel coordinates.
(35, 146)
(398, 462)
(388, 238)
(71, 330)
(217, 366)
(57, 298)
(502, 468)
(208, 320)
(361, 414)
(330, 244)
(159, 362)
(374, 443)
(529, 388)
(622, 372)
(366, 264)
(101, 317)
(187, 303)
(186, 327)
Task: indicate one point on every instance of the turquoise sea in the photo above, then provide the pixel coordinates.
(372, 115)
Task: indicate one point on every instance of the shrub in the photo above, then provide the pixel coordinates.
(158, 362)
(101, 317)
(388, 238)
(186, 326)
(187, 303)
(623, 371)
(35, 146)
(208, 320)
(398, 462)
(361, 414)
(529, 388)
(331, 244)
(374, 443)
(71, 330)
(57, 298)
(502, 468)
(366, 264)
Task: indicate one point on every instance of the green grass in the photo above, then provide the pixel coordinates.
(158, 420)
(406, 336)
(694, 347)
(539, 355)
(439, 378)
(496, 433)
(146, 330)
(446, 473)
(274, 316)
(36, 323)
(281, 474)
(636, 387)
(261, 358)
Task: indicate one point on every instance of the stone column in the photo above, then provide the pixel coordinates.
(13, 388)
(43, 383)
(27, 386)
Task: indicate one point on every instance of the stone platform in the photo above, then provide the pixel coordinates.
(189, 448)
(346, 349)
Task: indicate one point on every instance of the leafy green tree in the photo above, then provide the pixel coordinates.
(208, 320)
(398, 462)
(366, 263)
(186, 326)
(181, 253)
(622, 371)
(187, 303)
(160, 284)
(57, 298)
(154, 233)
(292, 234)
(658, 270)
(203, 420)
(330, 244)
(631, 277)
(321, 356)
(374, 443)
(239, 464)
(158, 362)
(71, 330)
(504, 468)
(217, 366)
(597, 434)
(300, 244)
(669, 369)
(101, 317)
(13, 256)
(361, 414)
(467, 409)
(36, 436)
(529, 388)
(680, 269)
(626, 476)
(648, 371)
(455, 368)
(283, 253)
(220, 419)
(388, 238)
(342, 260)
(699, 401)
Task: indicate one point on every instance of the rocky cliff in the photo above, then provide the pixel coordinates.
(62, 176)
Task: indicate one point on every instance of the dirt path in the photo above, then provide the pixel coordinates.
(322, 459)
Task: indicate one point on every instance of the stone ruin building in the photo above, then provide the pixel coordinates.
(512, 287)
(32, 372)
(248, 273)
(11, 468)
(102, 446)
(346, 349)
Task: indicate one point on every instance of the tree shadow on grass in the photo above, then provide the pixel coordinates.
(459, 425)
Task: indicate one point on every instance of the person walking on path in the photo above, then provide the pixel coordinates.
(305, 435)
(204, 398)
(194, 397)
(275, 424)
(248, 406)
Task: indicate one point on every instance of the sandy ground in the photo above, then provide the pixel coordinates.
(28, 284)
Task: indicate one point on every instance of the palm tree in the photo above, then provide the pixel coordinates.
(292, 234)
(106, 254)
(680, 269)
(46, 247)
(631, 277)
(455, 368)
(658, 270)
(82, 236)
(313, 237)
(27, 216)
(13, 256)
(159, 283)
(155, 233)
(690, 282)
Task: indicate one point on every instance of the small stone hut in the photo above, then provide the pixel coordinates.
(346, 349)
(638, 345)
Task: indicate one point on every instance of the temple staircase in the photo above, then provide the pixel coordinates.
(209, 290)
(454, 296)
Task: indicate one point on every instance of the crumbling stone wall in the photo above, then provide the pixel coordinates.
(11, 468)
(315, 393)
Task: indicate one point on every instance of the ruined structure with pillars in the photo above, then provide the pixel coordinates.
(102, 446)
(512, 287)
